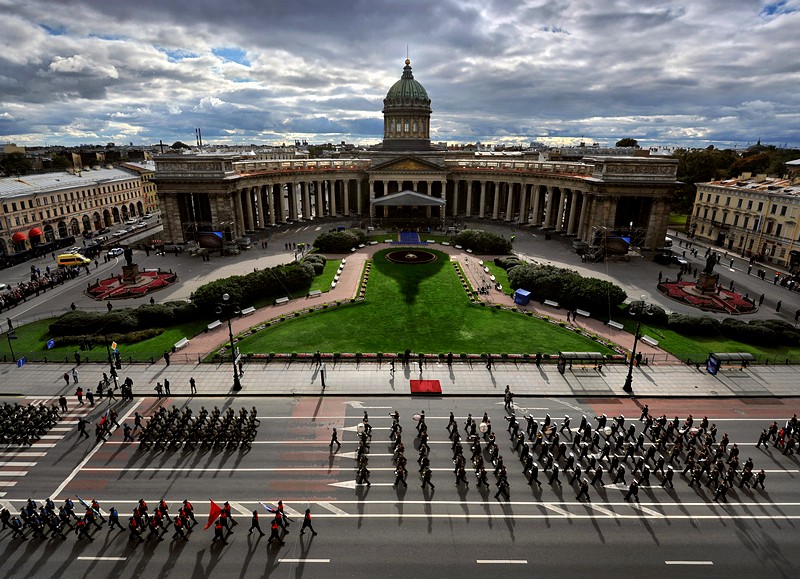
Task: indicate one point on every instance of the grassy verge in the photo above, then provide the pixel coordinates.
(323, 281)
(500, 275)
(33, 337)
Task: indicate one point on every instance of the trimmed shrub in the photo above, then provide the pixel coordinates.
(245, 289)
(693, 325)
(654, 314)
(78, 323)
(480, 241)
(340, 241)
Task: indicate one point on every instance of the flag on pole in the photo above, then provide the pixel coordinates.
(213, 515)
(269, 508)
(87, 505)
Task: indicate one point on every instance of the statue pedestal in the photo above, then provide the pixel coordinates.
(130, 273)
(707, 283)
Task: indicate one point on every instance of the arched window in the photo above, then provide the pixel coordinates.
(406, 126)
(415, 127)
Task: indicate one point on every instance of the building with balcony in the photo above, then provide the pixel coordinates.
(37, 209)
(754, 216)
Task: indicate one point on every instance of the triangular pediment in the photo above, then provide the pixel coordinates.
(407, 164)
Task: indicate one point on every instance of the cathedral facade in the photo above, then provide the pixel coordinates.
(406, 182)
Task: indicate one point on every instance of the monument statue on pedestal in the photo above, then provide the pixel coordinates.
(708, 280)
(128, 256)
(130, 271)
(711, 261)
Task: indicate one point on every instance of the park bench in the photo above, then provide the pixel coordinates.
(214, 325)
(182, 343)
(282, 300)
(583, 313)
(650, 341)
(616, 325)
(314, 293)
(249, 311)
(551, 303)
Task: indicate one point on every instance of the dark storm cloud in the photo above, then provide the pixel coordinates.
(256, 71)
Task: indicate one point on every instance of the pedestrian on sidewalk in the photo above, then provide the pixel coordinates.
(391, 366)
(777, 307)
(74, 375)
(489, 362)
(90, 397)
(79, 394)
(166, 387)
(159, 389)
(322, 375)
(166, 358)
(307, 522)
(192, 386)
(62, 401)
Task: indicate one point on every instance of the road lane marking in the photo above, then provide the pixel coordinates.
(22, 454)
(332, 508)
(304, 560)
(600, 509)
(647, 511)
(87, 558)
(89, 456)
(689, 562)
(351, 484)
(18, 464)
(555, 509)
(8, 483)
(52, 436)
(13, 472)
(501, 561)
(240, 509)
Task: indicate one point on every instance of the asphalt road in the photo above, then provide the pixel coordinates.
(388, 532)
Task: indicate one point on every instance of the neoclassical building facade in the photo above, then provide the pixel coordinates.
(235, 194)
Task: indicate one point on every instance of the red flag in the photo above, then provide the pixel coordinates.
(212, 516)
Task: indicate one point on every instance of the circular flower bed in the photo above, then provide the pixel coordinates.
(723, 301)
(114, 288)
(410, 256)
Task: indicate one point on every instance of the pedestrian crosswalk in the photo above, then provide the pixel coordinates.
(17, 460)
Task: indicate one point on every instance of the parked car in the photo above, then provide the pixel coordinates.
(104, 230)
(679, 260)
(119, 233)
(147, 216)
(115, 251)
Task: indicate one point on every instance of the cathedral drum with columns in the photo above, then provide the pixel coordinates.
(407, 182)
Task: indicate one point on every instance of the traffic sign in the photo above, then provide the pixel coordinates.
(50, 343)
(113, 345)
(21, 362)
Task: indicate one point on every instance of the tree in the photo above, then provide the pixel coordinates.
(179, 145)
(16, 164)
(628, 142)
(59, 163)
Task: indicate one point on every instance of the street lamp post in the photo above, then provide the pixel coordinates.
(628, 387)
(230, 310)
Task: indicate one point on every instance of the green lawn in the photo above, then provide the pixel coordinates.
(500, 275)
(422, 307)
(697, 348)
(32, 344)
(323, 281)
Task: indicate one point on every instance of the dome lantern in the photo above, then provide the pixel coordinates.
(406, 114)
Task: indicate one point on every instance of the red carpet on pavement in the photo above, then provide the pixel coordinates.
(426, 387)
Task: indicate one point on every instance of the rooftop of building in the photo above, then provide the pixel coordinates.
(761, 184)
(44, 182)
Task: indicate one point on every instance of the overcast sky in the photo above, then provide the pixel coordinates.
(690, 73)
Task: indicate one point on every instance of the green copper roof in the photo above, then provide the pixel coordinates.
(407, 91)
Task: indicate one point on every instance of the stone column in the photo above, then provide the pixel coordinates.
(483, 200)
(523, 203)
(535, 214)
(306, 200)
(358, 198)
(260, 207)
(293, 201)
(428, 192)
(456, 185)
(573, 213)
(562, 204)
(468, 210)
(443, 208)
(271, 202)
(510, 201)
(249, 222)
(582, 218)
(319, 201)
(371, 198)
(385, 193)
(346, 197)
(496, 206)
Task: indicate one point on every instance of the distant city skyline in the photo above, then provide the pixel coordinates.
(668, 73)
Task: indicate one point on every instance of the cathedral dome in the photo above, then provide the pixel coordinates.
(407, 92)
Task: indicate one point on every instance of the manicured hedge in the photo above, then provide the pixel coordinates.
(480, 241)
(567, 287)
(775, 332)
(340, 241)
(508, 262)
(246, 289)
(79, 323)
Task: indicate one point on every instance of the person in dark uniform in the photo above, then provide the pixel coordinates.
(633, 491)
(502, 488)
(113, 519)
(254, 525)
(426, 478)
(554, 476)
(218, 536)
(180, 525)
(400, 475)
(82, 529)
(274, 526)
(583, 491)
(307, 522)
